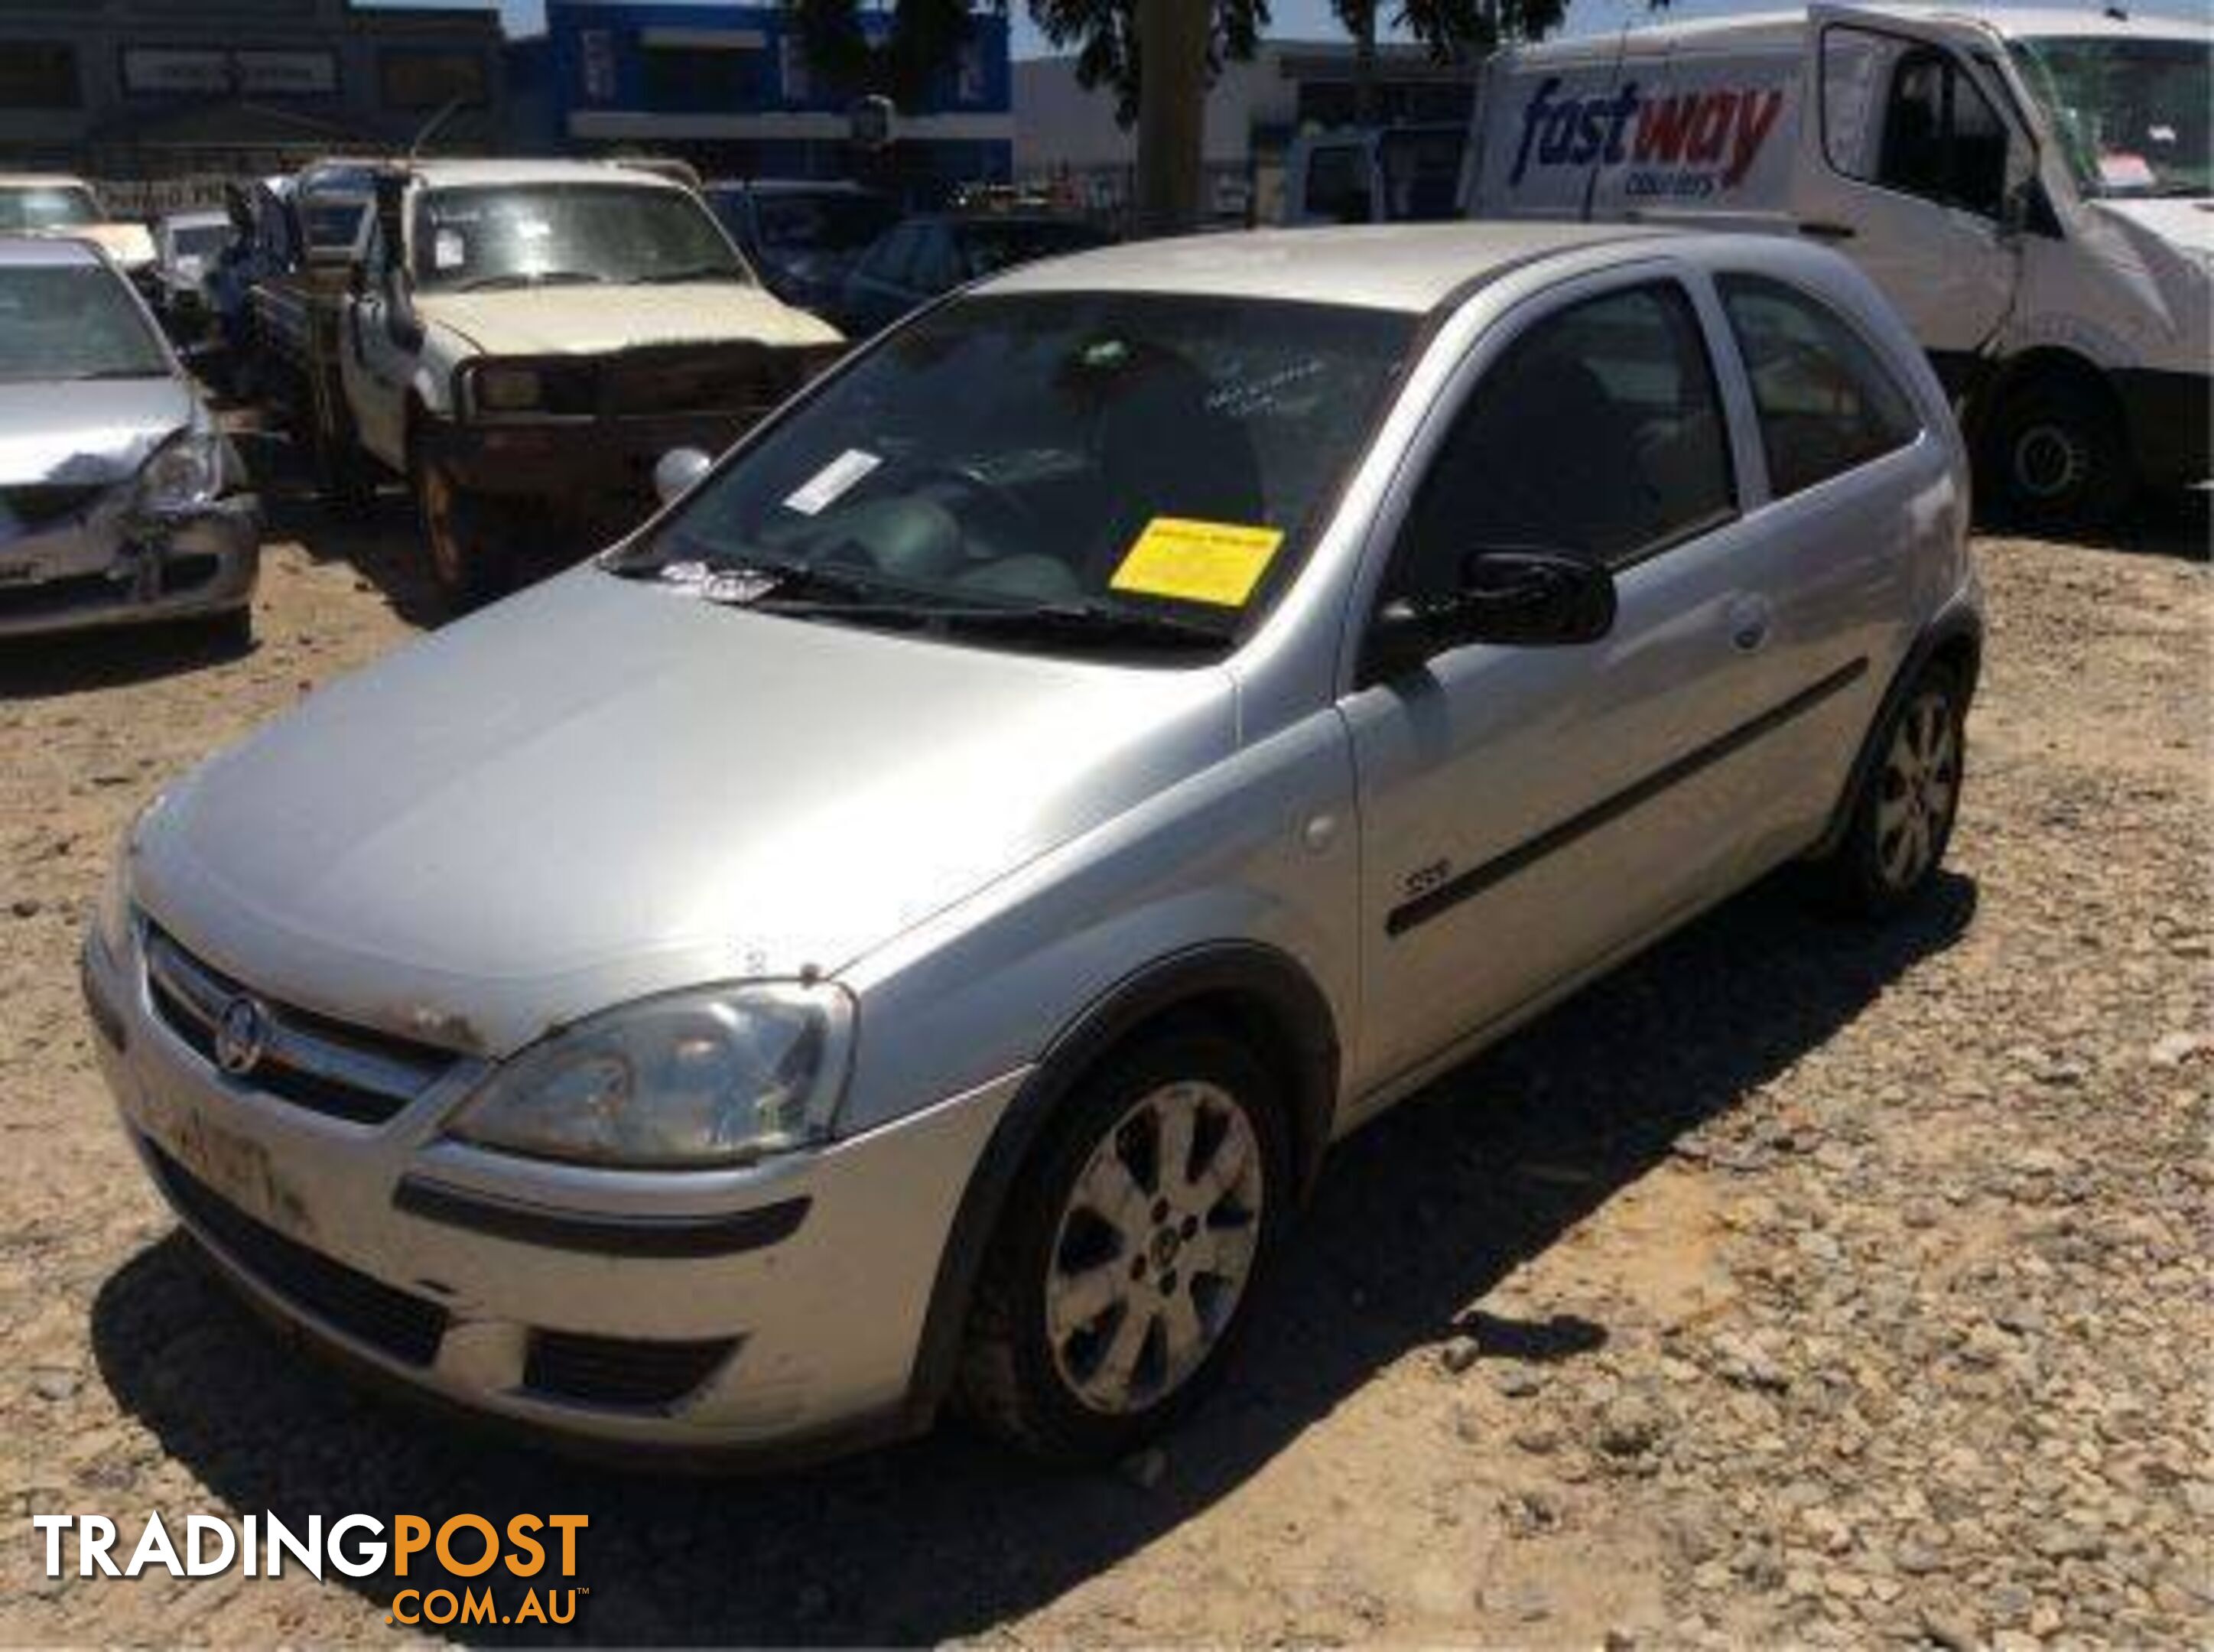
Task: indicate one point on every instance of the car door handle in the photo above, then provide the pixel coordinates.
(1749, 619)
(1817, 229)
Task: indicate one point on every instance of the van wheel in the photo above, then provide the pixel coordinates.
(469, 564)
(1903, 816)
(2058, 457)
(1122, 1269)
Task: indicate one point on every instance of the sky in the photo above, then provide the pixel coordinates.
(1311, 19)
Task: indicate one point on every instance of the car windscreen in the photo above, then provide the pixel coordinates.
(2133, 115)
(72, 321)
(987, 246)
(833, 222)
(1133, 456)
(529, 235)
(44, 208)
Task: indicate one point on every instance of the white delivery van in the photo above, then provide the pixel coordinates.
(2031, 188)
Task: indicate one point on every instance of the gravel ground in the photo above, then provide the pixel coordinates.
(1801, 1283)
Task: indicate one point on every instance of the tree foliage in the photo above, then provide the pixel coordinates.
(1110, 52)
(1450, 27)
(915, 40)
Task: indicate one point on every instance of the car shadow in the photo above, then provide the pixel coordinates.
(2177, 524)
(1417, 1217)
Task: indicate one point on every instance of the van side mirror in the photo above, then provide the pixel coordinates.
(1510, 596)
(2028, 210)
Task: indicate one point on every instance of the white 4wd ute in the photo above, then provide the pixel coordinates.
(523, 341)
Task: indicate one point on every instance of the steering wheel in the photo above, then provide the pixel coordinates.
(1014, 513)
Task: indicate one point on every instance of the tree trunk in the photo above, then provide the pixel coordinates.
(1364, 65)
(1172, 113)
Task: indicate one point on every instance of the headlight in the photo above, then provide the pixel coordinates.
(186, 472)
(719, 1076)
(508, 389)
(111, 914)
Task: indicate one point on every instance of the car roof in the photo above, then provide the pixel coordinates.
(446, 175)
(2013, 23)
(41, 180)
(48, 252)
(1412, 268)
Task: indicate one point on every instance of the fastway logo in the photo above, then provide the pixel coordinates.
(1725, 127)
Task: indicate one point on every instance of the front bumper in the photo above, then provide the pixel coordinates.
(608, 459)
(100, 567)
(741, 1312)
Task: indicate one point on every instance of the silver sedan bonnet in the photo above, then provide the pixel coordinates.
(86, 434)
(601, 789)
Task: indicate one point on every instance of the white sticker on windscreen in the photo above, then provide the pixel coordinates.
(828, 485)
(450, 251)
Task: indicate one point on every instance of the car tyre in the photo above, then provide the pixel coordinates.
(2059, 458)
(1117, 1285)
(467, 562)
(1907, 802)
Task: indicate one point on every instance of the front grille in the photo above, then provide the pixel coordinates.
(620, 1371)
(59, 596)
(309, 1060)
(40, 505)
(405, 1327)
(747, 379)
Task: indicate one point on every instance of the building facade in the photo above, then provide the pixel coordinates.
(1067, 138)
(729, 88)
(152, 89)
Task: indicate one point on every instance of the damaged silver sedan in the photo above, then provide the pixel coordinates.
(120, 499)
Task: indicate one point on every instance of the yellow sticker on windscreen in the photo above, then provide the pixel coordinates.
(1218, 563)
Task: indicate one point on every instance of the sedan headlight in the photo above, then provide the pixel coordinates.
(185, 472)
(719, 1076)
(110, 912)
(509, 389)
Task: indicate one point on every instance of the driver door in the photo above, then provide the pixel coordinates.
(372, 367)
(1529, 812)
(1914, 160)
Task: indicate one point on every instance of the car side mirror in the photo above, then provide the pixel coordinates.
(678, 472)
(1509, 596)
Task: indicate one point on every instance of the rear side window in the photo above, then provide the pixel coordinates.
(1826, 402)
(1598, 433)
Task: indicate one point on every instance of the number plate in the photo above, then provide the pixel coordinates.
(232, 1166)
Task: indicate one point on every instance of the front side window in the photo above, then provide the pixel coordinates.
(540, 235)
(829, 223)
(1135, 454)
(1598, 433)
(2135, 117)
(1908, 117)
(72, 321)
(1825, 402)
(46, 207)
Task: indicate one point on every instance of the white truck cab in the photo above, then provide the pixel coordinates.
(524, 340)
(2030, 187)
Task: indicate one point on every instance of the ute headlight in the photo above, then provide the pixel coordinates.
(509, 389)
(719, 1076)
(185, 472)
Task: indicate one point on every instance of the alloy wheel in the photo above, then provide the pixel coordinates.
(2051, 462)
(1920, 788)
(1154, 1247)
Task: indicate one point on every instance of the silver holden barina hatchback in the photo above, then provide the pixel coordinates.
(906, 926)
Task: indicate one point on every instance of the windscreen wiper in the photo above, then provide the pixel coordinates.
(533, 278)
(691, 272)
(1092, 623)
